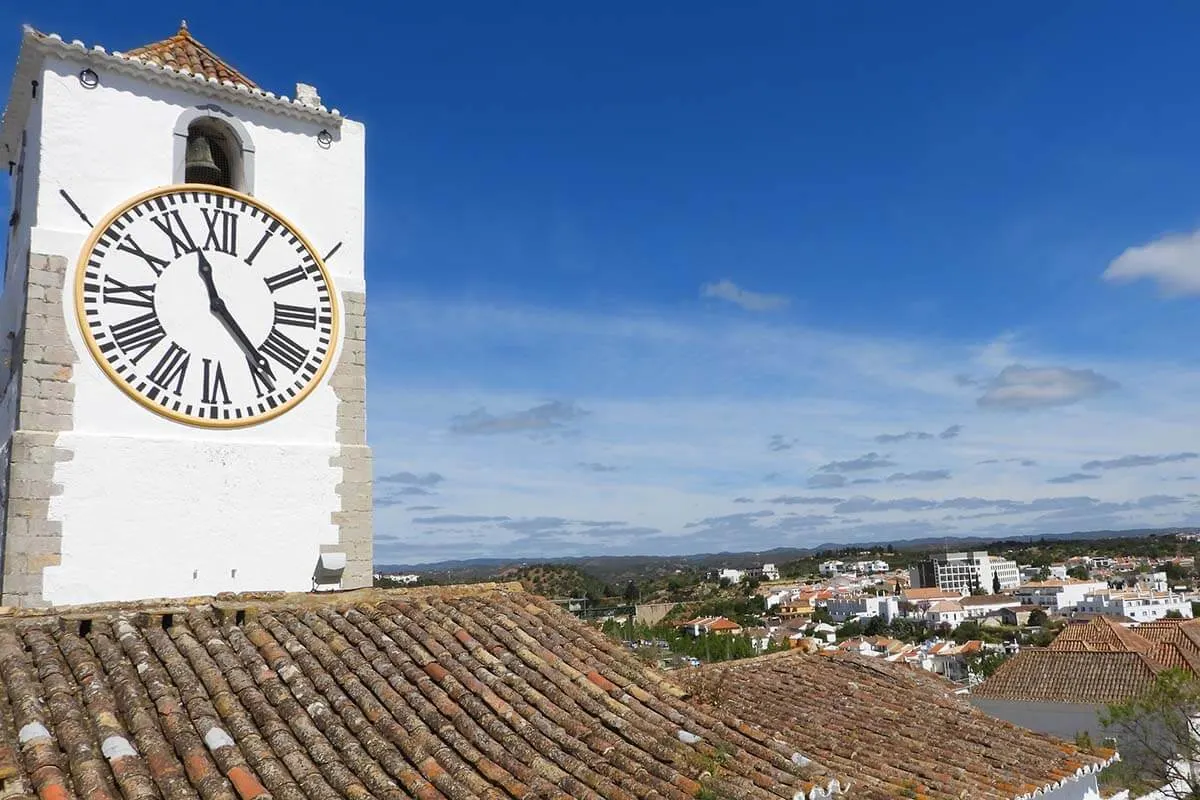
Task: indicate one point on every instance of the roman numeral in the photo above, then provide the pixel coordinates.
(214, 383)
(172, 225)
(279, 347)
(138, 336)
(171, 368)
(300, 316)
(117, 292)
(261, 244)
(286, 278)
(154, 262)
(222, 231)
(262, 383)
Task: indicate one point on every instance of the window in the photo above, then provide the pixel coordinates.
(213, 147)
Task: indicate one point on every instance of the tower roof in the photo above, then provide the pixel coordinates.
(184, 51)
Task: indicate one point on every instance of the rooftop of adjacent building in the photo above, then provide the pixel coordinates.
(1097, 660)
(463, 692)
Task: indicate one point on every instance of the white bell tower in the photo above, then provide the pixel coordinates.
(106, 496)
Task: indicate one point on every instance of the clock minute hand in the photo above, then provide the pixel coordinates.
(217, 306)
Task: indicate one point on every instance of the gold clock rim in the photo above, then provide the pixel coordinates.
(176, 416)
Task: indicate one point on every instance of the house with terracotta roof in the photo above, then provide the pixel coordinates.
(899, 732)
(718, 626)
(1061, 688)
(945, 612)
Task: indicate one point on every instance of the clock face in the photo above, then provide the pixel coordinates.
(206, 306)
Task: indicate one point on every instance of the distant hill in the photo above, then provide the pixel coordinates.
(616, 570)
(556, 580)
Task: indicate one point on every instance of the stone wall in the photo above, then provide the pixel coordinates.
(45, 358)
(349, 383)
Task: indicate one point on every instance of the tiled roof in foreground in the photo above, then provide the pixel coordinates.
(468, 692)
(898, 731)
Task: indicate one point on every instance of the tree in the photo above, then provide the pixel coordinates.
(1037, 618)
(1079, 573)
(1174, 614)
(1044, 573)
(891, 550)
(631, 592)
(1158, 733)
(995, 583)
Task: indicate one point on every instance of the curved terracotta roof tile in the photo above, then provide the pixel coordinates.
(895, 730)
(449, 694)
(184, 52)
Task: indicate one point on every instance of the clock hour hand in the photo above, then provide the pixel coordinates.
(217, 306)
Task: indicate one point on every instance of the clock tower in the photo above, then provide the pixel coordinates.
(182, 331)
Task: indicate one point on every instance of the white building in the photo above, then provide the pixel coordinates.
(1139, 605)
(158, 443)
(731, 575)
(982, 605)
(402, 579)
(1057, 595)
(770, 572)
(848, 607)
(830, 568)
(964, 572)
(869, 567)
(946, 612)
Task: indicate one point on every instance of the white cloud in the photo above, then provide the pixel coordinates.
(685, 404)
(1172, 261)
(1020, 388)
(751, 301)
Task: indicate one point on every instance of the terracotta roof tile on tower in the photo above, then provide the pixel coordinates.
(895, 730)
(184, 51)
(438, 694)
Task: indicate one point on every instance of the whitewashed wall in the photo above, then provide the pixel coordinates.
(150, 507)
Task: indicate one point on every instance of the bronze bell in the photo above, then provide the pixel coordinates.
(199, 164)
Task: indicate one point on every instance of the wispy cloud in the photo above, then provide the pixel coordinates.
(730, 292)
(889, 438)
(547, 416)
(951, 433)
(826, 481)
(862, 463)
(1074, 477)
(596, 466)
(920, 475)
(1173, 262)
(778, 442)
(412, 478)
(1139, 461)
(684, 404)
(1019, 388)
(799, 500)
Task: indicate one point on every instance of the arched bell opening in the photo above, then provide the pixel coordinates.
(213, 150)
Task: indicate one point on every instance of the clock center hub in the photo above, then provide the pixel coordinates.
(182, 303)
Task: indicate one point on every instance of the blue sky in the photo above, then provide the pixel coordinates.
(695, 277)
